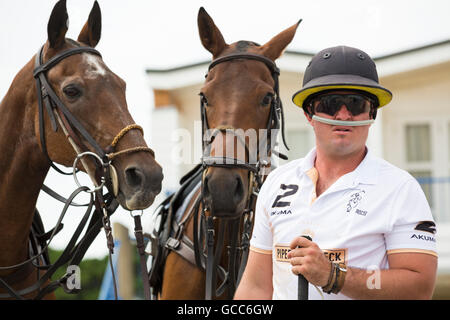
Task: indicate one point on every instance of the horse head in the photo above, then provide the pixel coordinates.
(239, 102)
(95, 96)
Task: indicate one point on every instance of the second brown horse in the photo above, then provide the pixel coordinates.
(238, 94)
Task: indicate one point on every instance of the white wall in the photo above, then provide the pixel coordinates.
(423, 97)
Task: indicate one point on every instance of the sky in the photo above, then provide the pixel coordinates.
(143, 34)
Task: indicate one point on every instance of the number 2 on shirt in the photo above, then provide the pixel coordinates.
(291, 189)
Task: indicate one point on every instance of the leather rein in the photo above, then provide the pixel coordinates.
(104, 205)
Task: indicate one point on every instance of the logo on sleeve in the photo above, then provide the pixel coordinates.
(423, 237)
(427, 226)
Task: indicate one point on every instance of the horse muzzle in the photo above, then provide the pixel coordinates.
(224, 192)
(139, 185)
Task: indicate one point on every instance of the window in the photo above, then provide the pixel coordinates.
(418, 156)
(426, 182)
(418, 143)
(448, 143)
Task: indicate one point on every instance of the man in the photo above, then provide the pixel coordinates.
(373, 235)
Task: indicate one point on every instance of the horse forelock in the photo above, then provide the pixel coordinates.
(243, 45)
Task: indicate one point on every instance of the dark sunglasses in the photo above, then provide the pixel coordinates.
(332, 103)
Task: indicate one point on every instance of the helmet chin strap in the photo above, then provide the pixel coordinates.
(342, 122)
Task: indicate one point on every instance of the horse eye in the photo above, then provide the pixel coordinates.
(203, 99)
(267, 99)
(71, 91)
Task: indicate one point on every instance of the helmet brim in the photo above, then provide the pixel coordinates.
(342, 81)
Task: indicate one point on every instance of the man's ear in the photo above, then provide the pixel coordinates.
(308, 116)
(373, 112)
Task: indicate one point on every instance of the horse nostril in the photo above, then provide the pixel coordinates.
(156, 179)
(133, 177)
(205, 187)
(239, 191)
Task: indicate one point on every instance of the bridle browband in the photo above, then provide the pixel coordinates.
(257, 172)
(105, 175)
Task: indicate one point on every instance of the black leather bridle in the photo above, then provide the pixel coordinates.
(256, 171)
(275, 121)
(56, 110)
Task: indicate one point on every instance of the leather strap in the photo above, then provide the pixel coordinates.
(20, 274)
(63, 258)
(210, 279)
(44, 67)
(249, 56)
(142, 257)
(226, 162)
(59, 197)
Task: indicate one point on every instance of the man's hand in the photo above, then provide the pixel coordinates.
(307, 259)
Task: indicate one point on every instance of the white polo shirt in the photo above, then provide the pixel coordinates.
(375, 210)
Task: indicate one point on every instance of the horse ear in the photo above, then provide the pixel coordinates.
(93, 27)
(275, 47)
(58, 25)
(210, 35)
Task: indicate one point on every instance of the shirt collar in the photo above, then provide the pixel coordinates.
(365, 173)
(308, 161)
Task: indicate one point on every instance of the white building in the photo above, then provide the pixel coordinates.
(412, 132)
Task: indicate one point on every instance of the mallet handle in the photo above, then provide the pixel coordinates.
(303, 283)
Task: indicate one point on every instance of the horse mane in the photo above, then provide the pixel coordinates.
(75, 43)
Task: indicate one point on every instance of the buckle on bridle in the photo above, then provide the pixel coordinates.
(103, 164)
(172, 243)
(44, 92)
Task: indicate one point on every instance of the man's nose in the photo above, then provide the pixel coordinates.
(343, 113)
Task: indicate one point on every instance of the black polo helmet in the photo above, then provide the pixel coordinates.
(341, 68)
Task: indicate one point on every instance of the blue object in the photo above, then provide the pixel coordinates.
(107, 288)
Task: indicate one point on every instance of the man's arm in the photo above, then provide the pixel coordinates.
(256, 282)
(410, 275)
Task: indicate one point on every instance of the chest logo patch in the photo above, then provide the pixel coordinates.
(355, 199)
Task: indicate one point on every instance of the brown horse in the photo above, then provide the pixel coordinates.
(240, 92)
(34, 131)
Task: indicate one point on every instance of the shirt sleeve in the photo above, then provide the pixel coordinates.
(412, 225)
(262, 233)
